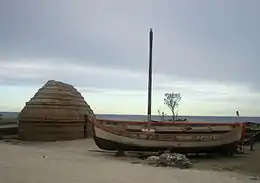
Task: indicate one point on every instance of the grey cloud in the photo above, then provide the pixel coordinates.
(90, 78)
(202, 40)
(91, 90)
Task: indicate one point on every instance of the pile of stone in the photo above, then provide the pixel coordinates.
(168, 159)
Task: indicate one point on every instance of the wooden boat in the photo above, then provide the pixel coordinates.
(252, 128)
(154, 136)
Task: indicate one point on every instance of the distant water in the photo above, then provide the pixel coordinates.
(216, 119)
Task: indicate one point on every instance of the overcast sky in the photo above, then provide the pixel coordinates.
(206, 50)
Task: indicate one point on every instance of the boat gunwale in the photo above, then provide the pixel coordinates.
(168, 123)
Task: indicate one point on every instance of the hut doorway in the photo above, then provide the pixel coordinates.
(85, 125)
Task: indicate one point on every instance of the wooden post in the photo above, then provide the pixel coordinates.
(150, 76)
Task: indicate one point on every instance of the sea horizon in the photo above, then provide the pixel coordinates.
(122, 114)
(139, 117)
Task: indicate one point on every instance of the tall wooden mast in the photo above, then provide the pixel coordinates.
(150, 76)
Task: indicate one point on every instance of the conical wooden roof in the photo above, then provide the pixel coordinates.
(54, 108)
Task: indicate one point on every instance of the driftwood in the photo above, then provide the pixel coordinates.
(56, 112)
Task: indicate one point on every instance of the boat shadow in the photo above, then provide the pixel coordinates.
(142, 156)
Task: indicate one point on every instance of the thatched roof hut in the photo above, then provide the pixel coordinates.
(56, 112)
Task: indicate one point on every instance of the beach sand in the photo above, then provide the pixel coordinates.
(72, 162)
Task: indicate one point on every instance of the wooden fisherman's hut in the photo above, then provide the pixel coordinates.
(56, 112)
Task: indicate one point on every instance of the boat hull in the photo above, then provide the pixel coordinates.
(114, 146)
(112, 138)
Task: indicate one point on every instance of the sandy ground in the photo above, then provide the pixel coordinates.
(72, 162)
(246, 163)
